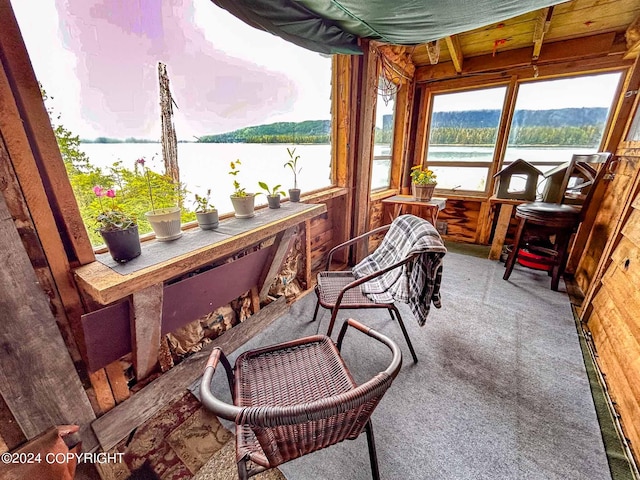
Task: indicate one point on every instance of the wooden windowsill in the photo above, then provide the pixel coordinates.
(106, 286)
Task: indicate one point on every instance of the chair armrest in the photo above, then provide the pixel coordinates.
(375, 231)
(396, 361)
(217, 406)
(371, 276)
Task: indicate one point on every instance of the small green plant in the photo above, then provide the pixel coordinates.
(420, 176)
(161, 183)
(293, 165)
(272, 192)
(203, 203)
(113, 218)
(237, 190)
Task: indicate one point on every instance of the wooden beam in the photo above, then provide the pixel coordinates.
(543, 22)
(596, 46)
(365, 127)
(34, 119)
(38, 380)
(119, 422)
(504, 218)
(455, 50)
(273, 263)
(145, 329)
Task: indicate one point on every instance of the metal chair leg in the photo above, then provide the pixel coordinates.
(373, 457)
(315, 313)
(334, 314)
(395, 311)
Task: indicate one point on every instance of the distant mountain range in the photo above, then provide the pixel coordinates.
(561, 117)
(577, 125)
(309, 131)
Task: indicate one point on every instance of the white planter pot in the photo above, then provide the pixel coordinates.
(165, 223)
(244, 206)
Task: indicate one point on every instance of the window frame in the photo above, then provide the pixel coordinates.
(504, 128)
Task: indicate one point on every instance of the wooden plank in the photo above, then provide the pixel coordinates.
(107, 286)
(543, 22)
(365, 128)
(43, 146)
(38, 380)
(455, 50)
(10, 433)
(595, 46)
(626, 408)
(145, 329)
(118, 381)
(273, 263)
(307, 254)
(119, 422)
(605, 235)
(504, 218)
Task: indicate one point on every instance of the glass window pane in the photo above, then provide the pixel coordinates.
(464, 128)
(554, 119)
(381, 168)
(462, 178)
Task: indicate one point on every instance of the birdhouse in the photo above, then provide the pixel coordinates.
(518, 181)
(560, 188)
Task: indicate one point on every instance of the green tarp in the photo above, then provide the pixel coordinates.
(331, 26)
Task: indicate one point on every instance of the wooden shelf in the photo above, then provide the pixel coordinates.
(105, 285)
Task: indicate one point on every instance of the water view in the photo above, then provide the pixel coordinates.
(206, 165)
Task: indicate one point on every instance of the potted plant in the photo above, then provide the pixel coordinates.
(165, 221)
(118, 229)
(294, 193)
(423, 183)
(243, 202)
(273, 194)
(206, 213)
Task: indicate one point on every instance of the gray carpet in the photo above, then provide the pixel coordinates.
(500, 390)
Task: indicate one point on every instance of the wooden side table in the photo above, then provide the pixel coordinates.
(432, 207)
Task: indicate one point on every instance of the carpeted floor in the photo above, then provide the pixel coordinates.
(500, 391)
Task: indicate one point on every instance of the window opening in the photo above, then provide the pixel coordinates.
(232, 101)
(462, 139)
(554, 119)
(383, 140)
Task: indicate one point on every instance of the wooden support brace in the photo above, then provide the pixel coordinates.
(145, 329)
(501, 231)
(273, 263)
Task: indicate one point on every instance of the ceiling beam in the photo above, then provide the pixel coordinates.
(455, 50)
(543, 21)
(597, 46)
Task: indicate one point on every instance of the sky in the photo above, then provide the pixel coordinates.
(97, 59)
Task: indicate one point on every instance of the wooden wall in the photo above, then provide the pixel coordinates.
(615, 326)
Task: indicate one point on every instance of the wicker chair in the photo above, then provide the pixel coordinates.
(337, 290)
(295, 398)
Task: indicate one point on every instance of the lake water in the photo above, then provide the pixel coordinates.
(206, 165)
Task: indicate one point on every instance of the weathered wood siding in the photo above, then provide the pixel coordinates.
(615, 326)
(609, 212)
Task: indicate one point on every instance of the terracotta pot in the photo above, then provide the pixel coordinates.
(123, 245)
(166, 223)
(208, 220)
(244, 206)
(294, 194)
(274, 201)
(423, 192)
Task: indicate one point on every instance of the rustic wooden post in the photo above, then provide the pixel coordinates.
(145, 329)
(168, 138)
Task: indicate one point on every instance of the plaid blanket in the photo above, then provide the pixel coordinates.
(416, 283)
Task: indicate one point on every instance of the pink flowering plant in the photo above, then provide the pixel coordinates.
(111, 216)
